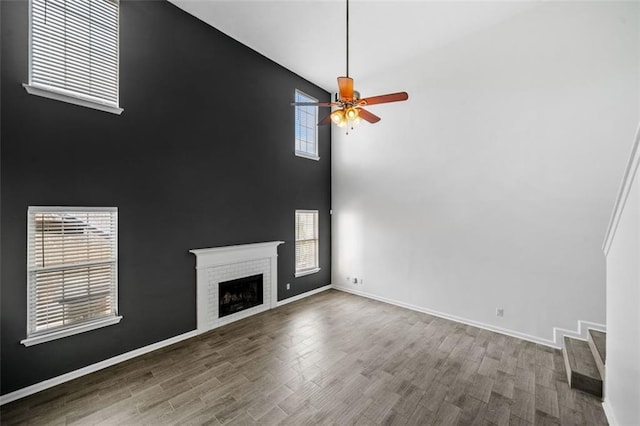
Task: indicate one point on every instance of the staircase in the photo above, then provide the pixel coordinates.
(584, 362)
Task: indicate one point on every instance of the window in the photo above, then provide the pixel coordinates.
(72, 264)
(306, 127)
(73, 51)
(306, 242)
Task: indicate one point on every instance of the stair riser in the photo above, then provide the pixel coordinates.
(567, 367)
(596, 356)
(586, 384)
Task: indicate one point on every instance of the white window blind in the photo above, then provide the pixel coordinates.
(306, 241)
(306, 126)
(72, 267)
(74, 48)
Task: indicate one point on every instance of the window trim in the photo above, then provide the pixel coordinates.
(49, 335)
(81, 328)
(70, 96)
(307, 156)
(304, 154)
(308, 271)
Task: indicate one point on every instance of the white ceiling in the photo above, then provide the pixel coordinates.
(308, 36)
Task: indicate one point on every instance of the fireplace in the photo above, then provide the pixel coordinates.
(223, 265)
(238, 295)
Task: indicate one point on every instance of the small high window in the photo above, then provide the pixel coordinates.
(306, 127)
(307, 258)
(72, 264)
(74, 52)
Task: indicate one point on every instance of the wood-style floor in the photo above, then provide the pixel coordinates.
(332, 358)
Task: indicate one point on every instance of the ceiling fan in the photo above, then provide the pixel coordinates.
(350, 111)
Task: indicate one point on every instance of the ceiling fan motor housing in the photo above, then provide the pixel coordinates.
(356, 96)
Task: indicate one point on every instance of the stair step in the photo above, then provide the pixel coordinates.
(582, 371)
(597, 344)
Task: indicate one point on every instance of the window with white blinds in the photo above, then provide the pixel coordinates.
(307, 260)
(306, 127)
(74, 50)
(72, 263)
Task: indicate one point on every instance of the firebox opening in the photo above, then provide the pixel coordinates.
(238, 295)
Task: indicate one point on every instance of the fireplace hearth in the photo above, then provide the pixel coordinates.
(240, 294)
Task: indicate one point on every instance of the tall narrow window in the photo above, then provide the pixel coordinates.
(306, 127)
(307, 261)
(73, 51)
(72, 265)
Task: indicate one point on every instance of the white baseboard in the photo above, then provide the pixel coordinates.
(559, 333)
(303, 295)
(608, 411)
(581, 333)
(493, 328)
(30, 390)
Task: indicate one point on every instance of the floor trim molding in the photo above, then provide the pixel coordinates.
(558, 334)
(581, 333)
(303, 295)
(493, 328)
(46, 384)
(608, 411)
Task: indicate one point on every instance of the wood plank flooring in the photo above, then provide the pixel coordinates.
(333, 358)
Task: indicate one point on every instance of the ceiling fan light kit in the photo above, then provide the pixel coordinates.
(349, 118)
(349, 106)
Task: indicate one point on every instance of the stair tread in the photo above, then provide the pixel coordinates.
(580, 358)
(599, 339)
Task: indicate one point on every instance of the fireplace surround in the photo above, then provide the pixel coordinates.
(219, 265)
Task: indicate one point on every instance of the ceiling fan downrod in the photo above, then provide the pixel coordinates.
(347, 38)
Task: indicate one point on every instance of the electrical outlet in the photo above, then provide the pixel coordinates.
(499, 312)
(288, 286)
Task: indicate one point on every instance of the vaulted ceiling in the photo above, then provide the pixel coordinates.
(308, 36)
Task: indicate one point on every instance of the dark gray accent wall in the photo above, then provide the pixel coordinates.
(201, 157)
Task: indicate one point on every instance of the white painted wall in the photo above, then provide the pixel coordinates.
(492, 186)
(622, 391)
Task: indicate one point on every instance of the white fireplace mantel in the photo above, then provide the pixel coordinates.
(232, 262)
